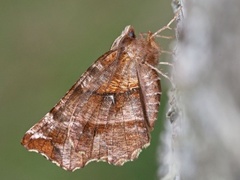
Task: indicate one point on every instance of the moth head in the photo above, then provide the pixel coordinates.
(126, 36)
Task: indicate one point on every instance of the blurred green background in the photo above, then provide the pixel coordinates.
(44, 47)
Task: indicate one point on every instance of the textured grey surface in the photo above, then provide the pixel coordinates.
(208, 78)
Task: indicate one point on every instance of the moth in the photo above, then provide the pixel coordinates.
(108, 113)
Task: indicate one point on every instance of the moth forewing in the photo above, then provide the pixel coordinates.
(109, 113)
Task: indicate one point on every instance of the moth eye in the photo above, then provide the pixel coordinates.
(131, 34)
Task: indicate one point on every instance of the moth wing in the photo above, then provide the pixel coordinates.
(96, 119)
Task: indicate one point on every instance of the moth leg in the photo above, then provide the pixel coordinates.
(160, 72)
(167, 63)
(156, 34)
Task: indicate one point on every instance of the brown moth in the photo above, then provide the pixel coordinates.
(108, 113)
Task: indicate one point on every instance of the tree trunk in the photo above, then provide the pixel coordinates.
(206, 100)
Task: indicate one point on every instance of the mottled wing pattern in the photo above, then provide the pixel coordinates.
(106, 116)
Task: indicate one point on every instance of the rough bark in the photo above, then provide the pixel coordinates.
(207, 78)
